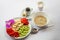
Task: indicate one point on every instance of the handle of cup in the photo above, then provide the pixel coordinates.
(50, 24)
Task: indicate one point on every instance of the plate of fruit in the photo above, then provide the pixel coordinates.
(18, 28)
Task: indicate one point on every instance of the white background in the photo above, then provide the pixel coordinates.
(13, 8)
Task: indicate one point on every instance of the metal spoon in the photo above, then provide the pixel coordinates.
(35, 30)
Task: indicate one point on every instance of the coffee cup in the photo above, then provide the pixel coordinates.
(40, 19)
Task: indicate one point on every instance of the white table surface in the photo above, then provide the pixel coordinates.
(13, 8)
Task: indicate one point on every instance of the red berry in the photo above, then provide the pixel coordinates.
(12, 32)
(16, 34)
(9, 31)
(24, 21)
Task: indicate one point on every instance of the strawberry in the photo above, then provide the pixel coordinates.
(16, 34)
(9, 31)
(24, 21)
(12, 32)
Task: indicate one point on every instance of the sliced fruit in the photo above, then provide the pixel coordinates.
(9, 23)
(12, 32)
(24, 21)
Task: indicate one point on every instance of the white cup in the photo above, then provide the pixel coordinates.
(40, 14)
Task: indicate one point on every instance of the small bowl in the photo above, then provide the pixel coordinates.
(26, 34)
(40, 14)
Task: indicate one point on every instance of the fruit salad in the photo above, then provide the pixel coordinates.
(17, 27)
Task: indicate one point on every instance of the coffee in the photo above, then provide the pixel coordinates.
(40, 20)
